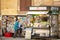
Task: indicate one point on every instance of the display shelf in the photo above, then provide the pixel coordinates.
(40, 28)
(7, 21)
(38, 37)
(39, 20)
(41, 33)
(40, 24)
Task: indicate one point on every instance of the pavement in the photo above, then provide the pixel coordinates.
(5, 38)
(11, 38)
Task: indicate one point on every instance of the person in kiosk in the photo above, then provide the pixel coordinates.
(16, 27)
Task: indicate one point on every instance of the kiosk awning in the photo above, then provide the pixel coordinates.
(39, 12)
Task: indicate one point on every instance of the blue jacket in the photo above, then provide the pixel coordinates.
(16, 25)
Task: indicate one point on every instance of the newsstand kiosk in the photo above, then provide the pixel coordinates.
(42, 22)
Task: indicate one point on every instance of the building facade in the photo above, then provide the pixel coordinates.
(21, 7)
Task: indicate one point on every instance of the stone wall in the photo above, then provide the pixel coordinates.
(46, 2)
(9, 7)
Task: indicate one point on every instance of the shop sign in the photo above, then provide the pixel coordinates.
(28, 33)
(37, 8)
(55, 10)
